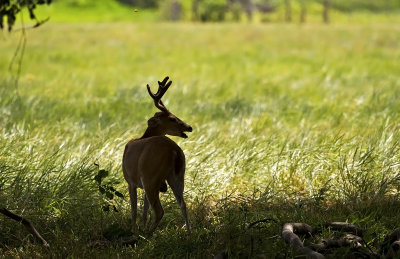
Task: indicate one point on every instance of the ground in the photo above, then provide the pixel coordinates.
(293, 123)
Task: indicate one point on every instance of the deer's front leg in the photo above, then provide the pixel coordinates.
(133, 198)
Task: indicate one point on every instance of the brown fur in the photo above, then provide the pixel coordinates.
(153, 159)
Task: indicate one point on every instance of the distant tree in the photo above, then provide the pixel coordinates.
(248, 7)
(303, 11)
(176, 11)
(327, 6)
(171, 10)
(10, 8)
(141, 3)
(195, 10)
(288, 11)
(235, 9)
(212, 10)
(370, 5)
(265, 7)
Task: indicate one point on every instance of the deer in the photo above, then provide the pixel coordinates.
(154, 159)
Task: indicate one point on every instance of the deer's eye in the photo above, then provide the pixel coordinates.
(172, 119)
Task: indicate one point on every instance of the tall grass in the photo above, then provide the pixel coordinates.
(293, 123)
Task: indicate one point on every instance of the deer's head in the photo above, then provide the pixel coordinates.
(165, 122)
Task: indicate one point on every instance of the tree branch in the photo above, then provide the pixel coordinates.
(27, 224)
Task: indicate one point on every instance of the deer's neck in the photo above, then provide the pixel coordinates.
(152, 132)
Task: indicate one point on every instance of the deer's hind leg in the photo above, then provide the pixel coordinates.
(133, 198)
(154, 200)
(176, 184)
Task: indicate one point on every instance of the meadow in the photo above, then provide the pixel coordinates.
(292, 123)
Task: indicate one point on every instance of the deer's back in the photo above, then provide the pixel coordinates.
(145, 158)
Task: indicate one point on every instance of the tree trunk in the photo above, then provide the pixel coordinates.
(248, 8)
(195, 10)
(327, 6)
(288, 11)
(303, 12)
(176, 10)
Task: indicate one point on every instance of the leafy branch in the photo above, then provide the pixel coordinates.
(107, 190)
(9, 9)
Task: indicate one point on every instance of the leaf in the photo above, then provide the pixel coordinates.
(31, 12)
(117, 193)
(110, 195)
(102, 173)
(10, 20)
(100, 176)
(97, 179)
(101, 189)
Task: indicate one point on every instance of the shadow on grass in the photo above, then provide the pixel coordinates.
(238, 227)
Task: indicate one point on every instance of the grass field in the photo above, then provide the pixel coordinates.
(294, 123)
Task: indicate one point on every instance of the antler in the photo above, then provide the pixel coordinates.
(162, 88)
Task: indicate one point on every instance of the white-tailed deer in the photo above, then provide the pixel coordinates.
(154, 159)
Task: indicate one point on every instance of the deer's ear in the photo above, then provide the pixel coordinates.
(153, 122)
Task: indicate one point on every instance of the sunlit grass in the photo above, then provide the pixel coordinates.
(297, 123)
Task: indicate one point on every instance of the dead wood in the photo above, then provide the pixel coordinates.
(393, 236)
(221, 255)
(288, 234)
(396, 245)
(345, 227)
(391, 245)
(27, 224)
(345, 241)
(353, 240)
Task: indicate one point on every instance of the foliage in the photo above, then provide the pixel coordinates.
(10, 8)
(290, 123)
(141, 3)
(108, 190)
(373, 6)
(212, 10)
(171, 10)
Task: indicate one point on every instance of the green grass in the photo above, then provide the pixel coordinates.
(294, 123)
(78, 11)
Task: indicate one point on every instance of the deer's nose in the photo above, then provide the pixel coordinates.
(190, 129)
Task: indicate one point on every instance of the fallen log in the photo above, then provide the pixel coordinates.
(288, 234)
(391, 245)
(345, 241)
(393, 236)
(345, 227)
